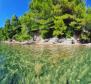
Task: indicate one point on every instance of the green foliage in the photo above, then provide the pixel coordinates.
(44, 34)
(6, 29)
(26, 20)
(69, 34)
(60, 13)
(88, 22)
(14, 21)
(23, 35)
(16, 26)
(85, 37)
(11, 28)
(88, 10)
(60, 27)
(1, 35)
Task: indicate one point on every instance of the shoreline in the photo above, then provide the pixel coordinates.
(45, 43)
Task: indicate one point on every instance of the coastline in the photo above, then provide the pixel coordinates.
(45, 43)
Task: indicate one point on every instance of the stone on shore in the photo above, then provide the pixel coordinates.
(61, 40)
(46, 40)
(53, 40)
(27, 42)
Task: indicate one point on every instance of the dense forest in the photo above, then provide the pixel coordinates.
(51, 18)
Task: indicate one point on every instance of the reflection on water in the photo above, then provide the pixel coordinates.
(44, 64)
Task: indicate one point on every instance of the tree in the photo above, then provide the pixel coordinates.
(64, 17)
(6, 29)
(15, 23)
(1, 34)
(26, 20)
(15, 27)
(41, 15)
(23, 35)
(88, 20)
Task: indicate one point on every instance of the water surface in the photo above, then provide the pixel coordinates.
(45, 64)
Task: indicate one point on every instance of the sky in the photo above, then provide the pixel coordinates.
(88, 3)
(8, 8)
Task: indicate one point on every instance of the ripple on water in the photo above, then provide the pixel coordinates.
(55, 64)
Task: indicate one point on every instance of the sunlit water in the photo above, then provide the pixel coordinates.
(45, 64)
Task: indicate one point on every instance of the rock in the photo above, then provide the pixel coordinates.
(46, 40)
(61, 40)
(70, 41)
(54, 40)
(27, 42)
(73, 42)
(67, 41)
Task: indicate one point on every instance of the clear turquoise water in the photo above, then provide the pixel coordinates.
(38, 64)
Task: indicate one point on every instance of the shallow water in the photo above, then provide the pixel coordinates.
(44, 64)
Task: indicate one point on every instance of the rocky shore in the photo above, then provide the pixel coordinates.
(50, 41)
